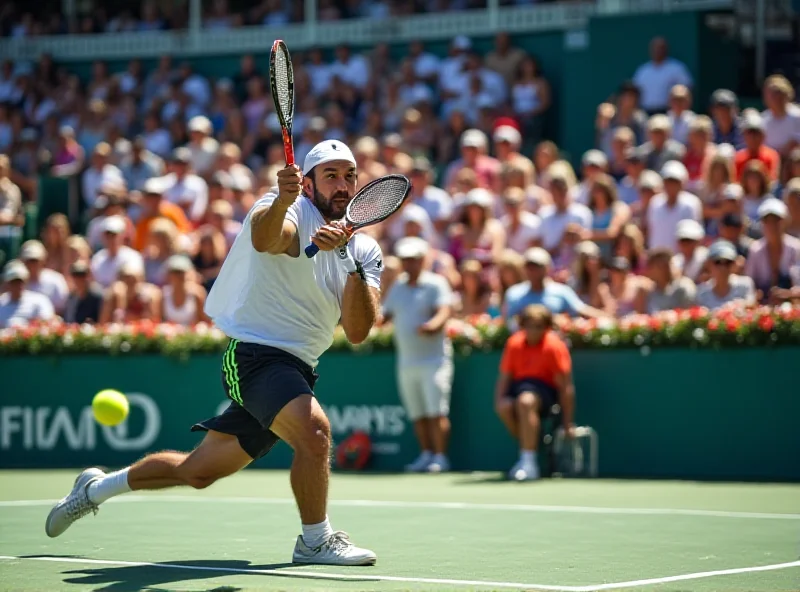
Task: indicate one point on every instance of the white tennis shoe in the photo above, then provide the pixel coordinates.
(421, 464)
(336, 550)
(526, 471)
(73, 507)
(439, 464)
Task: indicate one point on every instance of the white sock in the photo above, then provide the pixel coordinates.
(528, 456)
(316, 534)
(107, 487)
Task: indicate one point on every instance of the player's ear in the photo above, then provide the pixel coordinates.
(308, 185)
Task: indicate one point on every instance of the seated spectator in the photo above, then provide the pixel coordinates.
(756, 188)
(593, 164)
(724, 288)
(18, 305)
(791, 196)
(476, 291)
(107, 262)
(162, 243)
(474, 148)
(242, 197)
(624, 287)
(609, 214)
(392, 268)
(754, 147)
(101, 173)
(667, 291)
(78, 249)
(522, 228)
(630, 246)
(535, 374)
(55, 233)
(203, 148)
(699, 152)
(184, 188)
(155, 207)
(183, 299)
(691, 257)
(538, 289)
(40, 279)
(680, 112)
(650, 184)
(667, 209)
(141, 165)
(628, 187)
(129, 298)
(478, 235)
(782, 116)
(567, 253)
(587, 280)
(366, 151)
(546, 153)
(510, 272)
(210, 255)
(435, 201)
(69, 158)
(622, 143)
(660, 147)
(110, 203)
(11, 214)
(624, 113)
(507, 142)
(556, 217)
(220, 216)
(718, 176)
(731, 229)
(771, 258)
(85, 299)
(724, 111)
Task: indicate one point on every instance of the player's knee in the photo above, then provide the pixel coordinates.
(316, 439)
(526, 402)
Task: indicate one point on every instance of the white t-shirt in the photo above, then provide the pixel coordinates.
(529, 229)
(779, 132)
(190, 190)
(426, 65)
(662, 220)
(554, 223)
(694, 266)
(655, 81)
(290, 303)
(436, 202)
(740, 287)
(93, 180)
(354, 72)
(31, 306)
(105, 267)
(53, 285)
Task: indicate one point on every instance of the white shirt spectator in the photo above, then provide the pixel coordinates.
(426, 65)
(105, 268)
(355, 71)
(53, 285)
(411, 213)
(694, 266)
(779, 132)
(529, 229)
(554, 222)
(740, 287)
(31, 306)
(662, 220)
(198, 88)
(204, 155)
(680, 125)
(158, 142)
(436, 202)
(191, 193)
(655, 81)
(94, 179)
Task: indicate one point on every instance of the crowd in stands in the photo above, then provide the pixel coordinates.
(670, 209)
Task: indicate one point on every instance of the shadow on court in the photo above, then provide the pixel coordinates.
(157, 577)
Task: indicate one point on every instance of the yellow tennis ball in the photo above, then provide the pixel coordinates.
(110, 407)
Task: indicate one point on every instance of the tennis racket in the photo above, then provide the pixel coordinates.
(281, 83)
(376, 201)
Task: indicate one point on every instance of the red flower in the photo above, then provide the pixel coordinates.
(696, 313)
(655, 324)
(713, 324)
(732, 324)
(766, 323)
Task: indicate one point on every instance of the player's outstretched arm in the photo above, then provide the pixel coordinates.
(360, 308)
(270, 231)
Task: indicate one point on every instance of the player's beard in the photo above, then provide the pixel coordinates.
(327, 207)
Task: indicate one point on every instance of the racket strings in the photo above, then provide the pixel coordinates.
(377, 201)
(283, 85)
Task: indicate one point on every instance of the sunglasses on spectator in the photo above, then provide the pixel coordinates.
(723, 262)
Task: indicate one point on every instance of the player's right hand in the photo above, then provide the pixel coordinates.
(289, 183)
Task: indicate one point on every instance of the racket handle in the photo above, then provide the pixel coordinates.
(311, 250)
(288, 147)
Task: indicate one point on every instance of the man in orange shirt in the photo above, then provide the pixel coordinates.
(154, 206)
(755, 149)
(535, 373)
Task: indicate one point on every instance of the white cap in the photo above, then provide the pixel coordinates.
(674, 170)
(594, 158)
(179, 263)
(773, 207)
(415, 213)
(479, 197)
(659, 122)
(689, 230)
(588, 249)
(155, 186)
(327, 151)
(411, 247)
(15, 270)
(538, 256)
(33, 250)
(474, 138)
(114, 224)
(752, 120)
(200, 123)
(650, 180)
(733, 192)
(507, 133)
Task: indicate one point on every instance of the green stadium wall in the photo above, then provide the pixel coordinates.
(680, 414)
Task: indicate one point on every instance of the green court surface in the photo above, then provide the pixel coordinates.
(448, 532)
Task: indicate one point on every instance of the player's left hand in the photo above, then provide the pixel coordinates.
(331, 236)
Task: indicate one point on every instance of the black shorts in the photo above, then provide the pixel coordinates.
(259, 380)
(545, 392)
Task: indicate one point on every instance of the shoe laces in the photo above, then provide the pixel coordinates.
(79, 505)
(339, 542)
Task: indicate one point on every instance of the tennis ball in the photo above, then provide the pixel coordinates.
(110, 407)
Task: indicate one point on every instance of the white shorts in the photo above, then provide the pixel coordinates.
(425, 389)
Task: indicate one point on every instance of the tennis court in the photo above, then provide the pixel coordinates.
(449, 532)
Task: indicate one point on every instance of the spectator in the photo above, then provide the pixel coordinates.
(476, 291)
(426, 65)
(101, 173)
(78, 249)
(724, 288)
(535, 374)
(656, 78)
(755, 149)
(661, 148)
(154, 207)
(141, 165)
(11, 218)
(724, 111)
(667, 209)
(85, 298)
(161, 244)
(351, 69)
(538, 289)
(477, 235)
(680, 112)
(220, 217)
(530, 97)
(156, 139)
(691, 257)
(630, 246)
(756, 187)
(771, 258)
(130, 298)
(731, 229)
(18, 305)
(40, 279)
(667, 291)
(109, 203)
(624, 113)
(210, 255)
(435, 201)
(587, 280)
(718, 176)
(94, 128)
(621, 144)
(420, 304)
(522, 228)
(202, 146)
(609, 214)
(505, 59)
(563, 212)
(782, 116)
(699, 151)
(185, 188)
(107, 262)
(507, 142)
(474, 146)
(628, 187)
(546, 154)
(183, 299)
(594, 163)
(69, 156)
(791, 196)
(623, 287)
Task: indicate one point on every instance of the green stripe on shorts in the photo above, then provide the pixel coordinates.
(231, 371)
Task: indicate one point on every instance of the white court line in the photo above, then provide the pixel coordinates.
(368, 577)
(433, 506)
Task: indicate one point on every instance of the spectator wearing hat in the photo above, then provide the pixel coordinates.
(725, 114)
(667, 289)
(562, 212)
(507, 142)
(478, 235)
(791, 196)
(593, 164)
(772, 257)
(141, 165)
(242, 197)
(184, 188)
(725, 288)
(395, 227)
(522, 228)
(691, 257)
(129, 298)
(628, 186)
(781, 117)
(107, 262)
(474, 147)
(85, 299)
(18, 305)
(535, 374)
(656, 78)
(40, 279)
(680, 112)
(587, 278)
(182, 298)
(755, 148)
(609, 214)
(109, 203)
(667, 209)
(539, 289)
(699, 151)
(531, 97)
(101, 173)
(420, 304)
(660, 147)
(202, 146)
(153, 206)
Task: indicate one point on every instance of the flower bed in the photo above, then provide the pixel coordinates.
(691, 328)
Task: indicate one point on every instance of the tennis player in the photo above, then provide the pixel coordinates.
(280, 309)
